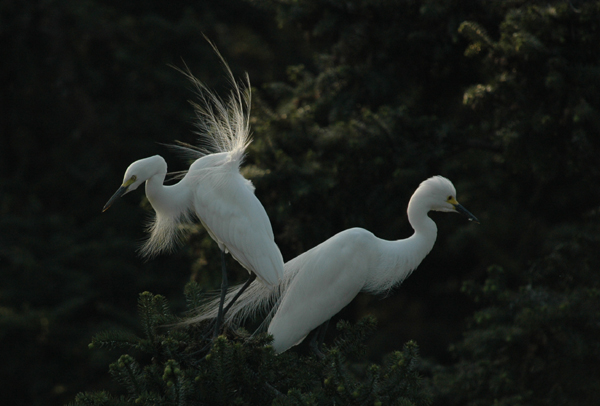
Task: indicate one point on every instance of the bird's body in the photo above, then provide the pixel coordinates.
(212, 190)
(320, 282)
(235, 218)
(351, 261)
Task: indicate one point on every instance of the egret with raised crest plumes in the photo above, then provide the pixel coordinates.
(212, 190)
(320, 282)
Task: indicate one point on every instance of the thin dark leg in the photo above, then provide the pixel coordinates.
(237, 295)
(322, 331)
(222, 312)
(224, 286)
(318, 338)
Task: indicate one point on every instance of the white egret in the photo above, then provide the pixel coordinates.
(320, 282)
(212, 190)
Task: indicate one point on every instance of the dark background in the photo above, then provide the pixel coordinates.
(354, 104)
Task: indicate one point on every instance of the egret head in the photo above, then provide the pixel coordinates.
(136, 174)
(438, 193)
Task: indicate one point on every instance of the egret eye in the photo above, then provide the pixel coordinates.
(130, 182)
(449, 198)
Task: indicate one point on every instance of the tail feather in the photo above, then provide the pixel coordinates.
(257, 300)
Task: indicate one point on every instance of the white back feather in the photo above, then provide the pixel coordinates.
(224, 126)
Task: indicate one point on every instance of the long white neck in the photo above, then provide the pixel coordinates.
(397, 259)
(172, 206)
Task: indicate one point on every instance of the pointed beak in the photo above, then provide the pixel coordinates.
(460, 209)
(120, 192)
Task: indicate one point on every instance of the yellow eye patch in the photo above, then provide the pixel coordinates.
(452, 200)
(130, 181)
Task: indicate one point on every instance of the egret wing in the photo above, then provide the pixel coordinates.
(331, 276)
(238, 221)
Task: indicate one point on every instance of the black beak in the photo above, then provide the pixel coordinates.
(120, 192)
(460, 209)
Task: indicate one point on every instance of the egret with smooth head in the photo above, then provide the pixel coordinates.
(320, 282)
(212, 190)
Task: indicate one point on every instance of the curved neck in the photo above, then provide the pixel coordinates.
(172, 206)
(420, 221)
(167, 200)
(397, 259)
(421, 242)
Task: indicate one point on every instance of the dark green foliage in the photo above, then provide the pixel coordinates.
(177, 366)
(547, 49)
(535, 340)
(348, 140)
